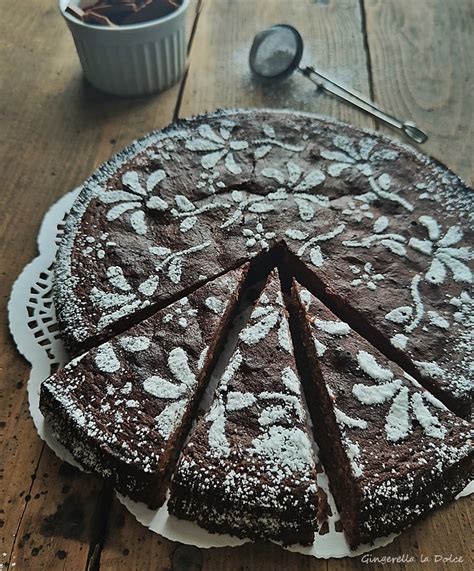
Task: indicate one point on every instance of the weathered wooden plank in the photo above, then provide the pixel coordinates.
(261, 556)
(129, 545)
(421, 65)
(55, 130)
(447, 533)
(19, 452)
(219, 75)
(137, 548)
(60, 519)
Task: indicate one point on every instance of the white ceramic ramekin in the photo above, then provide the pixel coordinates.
(132, 60)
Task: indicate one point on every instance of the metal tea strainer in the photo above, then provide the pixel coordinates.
(276, 53)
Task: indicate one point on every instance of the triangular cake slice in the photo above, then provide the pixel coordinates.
(392, 451)
(248, 468)
(420, 318)
(123, 409)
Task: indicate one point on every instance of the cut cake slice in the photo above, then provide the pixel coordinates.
(391, 449)
(249, 468)
(123, 409)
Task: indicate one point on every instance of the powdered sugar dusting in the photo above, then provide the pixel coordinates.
(239, 401)
(217, 439)
(134, 344)
(117, 279)
(252, 334)
(106, 360)
(320, 347)
(215, 304)
(430, 369)
(290, 380)
(376, 394)
(170, 417)
(430, 423)
(332, 327)
(370, 366)
(345, 420)
(289, 448)
(284, 339)
(398, 424)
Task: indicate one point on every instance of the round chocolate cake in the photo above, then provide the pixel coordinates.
(377, 232)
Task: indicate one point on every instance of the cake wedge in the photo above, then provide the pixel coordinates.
(248, 468)
(123, 409)
(391, 449)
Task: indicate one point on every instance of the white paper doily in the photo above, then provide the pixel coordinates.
(34, 329)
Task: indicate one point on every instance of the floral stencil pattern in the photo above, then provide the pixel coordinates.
(122, 299)
(444, 256)
(189, 213)
(177, 390)
(315, 254)
(259, 236)
(133, 200)
(405, 404)
(350, 155)
(366, 276)
(171, 263)
(299, 183)
(106, 358)
(439, 249)
(266, 144)
(381, 188)
(217, 146)
(274, 407)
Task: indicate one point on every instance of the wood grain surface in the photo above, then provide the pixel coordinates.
(421, 56)
(413, 57)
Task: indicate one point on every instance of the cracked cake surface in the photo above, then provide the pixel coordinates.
(361, 212)
(124, 408)
(394, 451)
(248, 468)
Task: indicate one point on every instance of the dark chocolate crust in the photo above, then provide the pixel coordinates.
(123, 409)
(249, 466)
(393, 451)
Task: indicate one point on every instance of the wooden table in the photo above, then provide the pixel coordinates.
(413, 57)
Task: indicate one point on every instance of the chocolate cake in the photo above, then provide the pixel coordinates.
(249, 468)
(124, 408)
(378, 232)
(358, 214)
(393, 451)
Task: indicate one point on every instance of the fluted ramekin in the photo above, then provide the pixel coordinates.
(132, 60)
